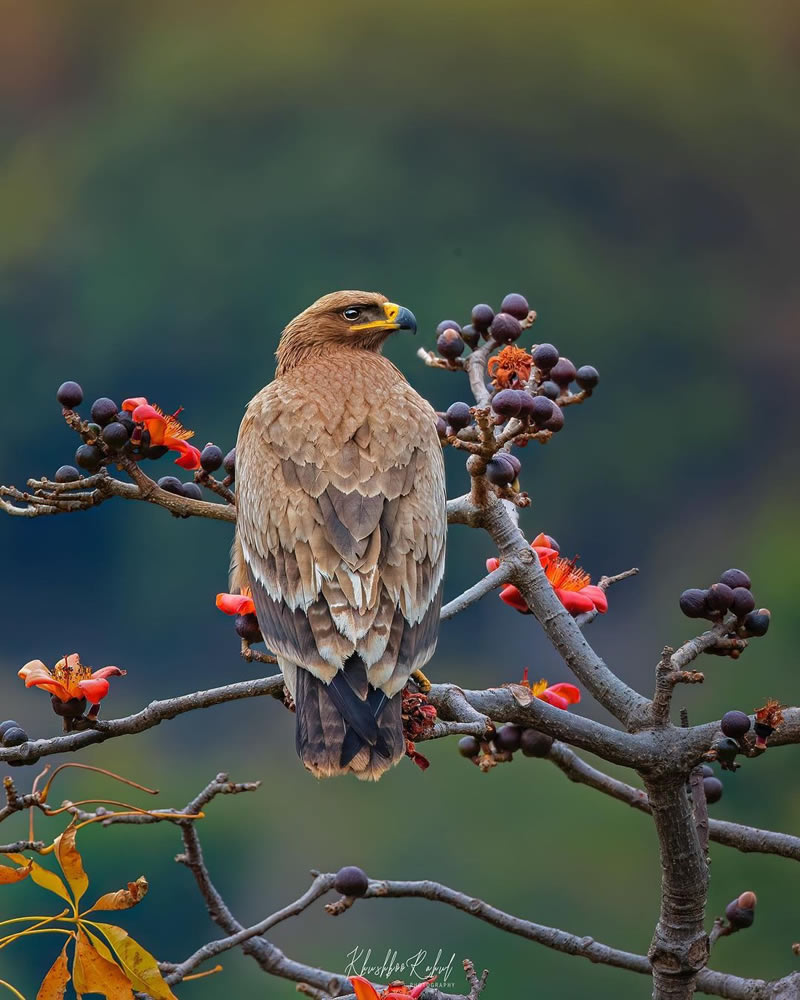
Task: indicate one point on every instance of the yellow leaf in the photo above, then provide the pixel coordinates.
(55, 982)
(71, 864)
(9, 875)
(43, 877)
(91, 973)
(122, 899)
(139, 965)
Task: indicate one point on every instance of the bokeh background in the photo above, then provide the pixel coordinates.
(177, 181)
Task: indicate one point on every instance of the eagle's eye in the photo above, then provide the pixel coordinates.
(351, 313)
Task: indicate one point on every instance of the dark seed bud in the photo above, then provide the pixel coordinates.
(72, 709)
(726, 750)
(516, 465)
(468, 746)
(545, 356)
(735, 578)
(563, 372)
(247, 627)
(351, 881)
(229, 462)
(550, 389)
(526, 408)
(470, 336)
(8, 724)
(171, 484)
(747, 900)
(14, 736)
(89, 457)
(543, 409)
(104, 410)
(449, 344)
(737, 916)
(70, 395)
(458, 416)
(713, 789)
(507, 402)
(508, 738)
(482, 316)
(757, 622)
(708, 771)
(156, 451)
(719, 597)
(192, 491)
(515, 305)
(556, 422)
(441, 427)
(115, 435)
(211, 458)
(447, 324)
(500, 471)
(505, 328)
(735, 724)
(693, 603)
(743, 602)
(126, 420)
(587, 377)
(535, 744)
(67, 474)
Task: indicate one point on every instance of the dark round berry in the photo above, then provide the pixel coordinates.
(556, 421)
(115, 435)
(743, 602)
(587, 377)
(72, 709)
(458, 416)
(515, 305)
(719, 597)
(507, 402)
(693, 603)
(726, 749)
(470, 336)
(70, 395)
(500, 471)
(8, 724)
(516, 465)
(14, 736)
(192, 491)
(545, 356)
(104, 410)
(482, 316)
(505, 328)
(229, 462)
(447, 324)
(543, 409)
(526, 409)
(508, 738)
(563, 372)
(351, 881)
(735, 724)
(449, 344)
(535, 744)
(550, 389)
(708, 771)
(737, 916)
(126, 420)
(66, 474)
(171, 484)
(211, 458)
(735, 578)
(468, 746)
(247, 627)
(713, 789)
(757, 622)
(156, 451)
(89, 457)
(441, 427)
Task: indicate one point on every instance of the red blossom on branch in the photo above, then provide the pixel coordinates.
(70, 679)
(164, 429)
(236, 604)
(364, 990)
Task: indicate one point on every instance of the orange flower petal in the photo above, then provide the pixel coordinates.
(598, 596)
(553, 699)
(575, 601)
(546, 555)
(108, 672)
(190, 456)
(492, 563)
(363, 988)
(514, 599)
(94, 690)
(236, 604)
(567, 691)
(129, 405)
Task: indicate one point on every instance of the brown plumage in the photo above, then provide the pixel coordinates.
(341, 529)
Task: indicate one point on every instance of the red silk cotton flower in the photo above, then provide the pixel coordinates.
(164, 430)
(236, 604)
(364, 990)
(70, 679)
(573, 585)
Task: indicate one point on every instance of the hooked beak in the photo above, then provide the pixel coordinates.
(397, 318)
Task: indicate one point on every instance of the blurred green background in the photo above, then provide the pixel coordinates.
(177, 181)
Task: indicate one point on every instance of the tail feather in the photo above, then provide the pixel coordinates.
(339, 732)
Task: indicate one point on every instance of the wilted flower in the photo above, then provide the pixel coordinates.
(70, 679)
(364, 990)
(572, 584)
(165, 430)
(768, 719)
(511, 368)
